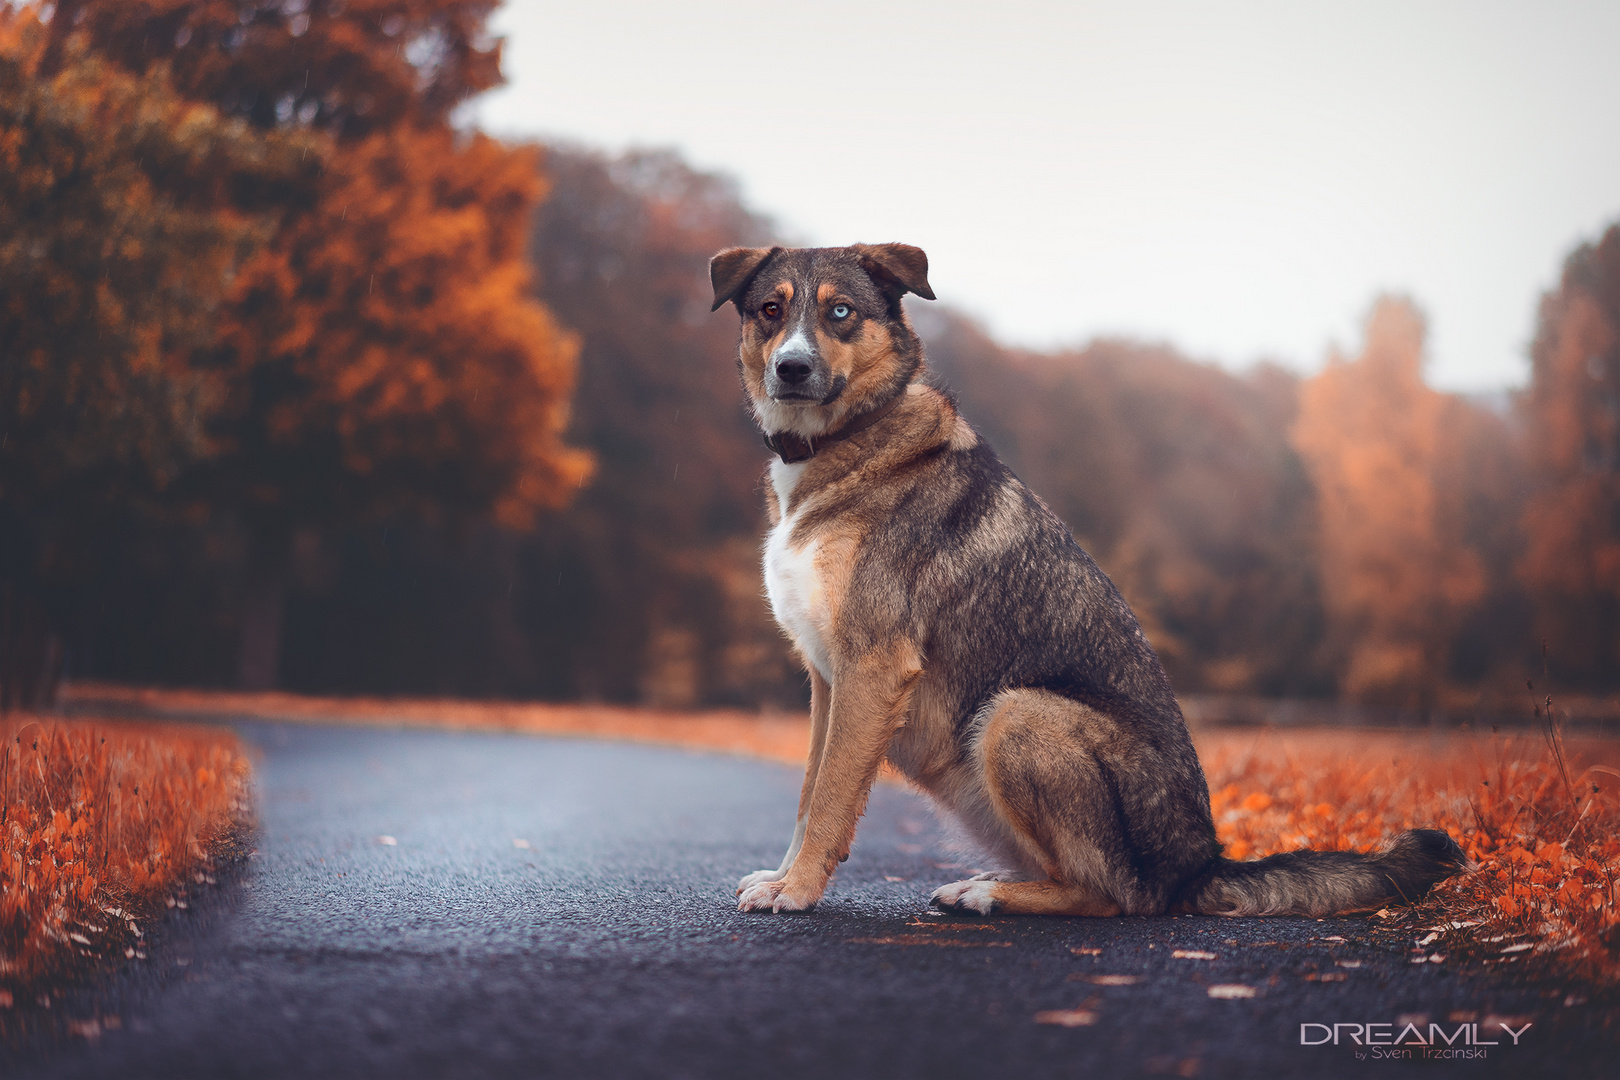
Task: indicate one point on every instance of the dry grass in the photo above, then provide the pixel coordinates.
(98, 825)
(1539, 817)
(773, 736)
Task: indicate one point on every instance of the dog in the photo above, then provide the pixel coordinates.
(951, 624)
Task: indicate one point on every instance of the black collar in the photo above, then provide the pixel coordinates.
(792, 447)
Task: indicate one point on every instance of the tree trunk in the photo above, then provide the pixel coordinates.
(258, 663)
(30, 653)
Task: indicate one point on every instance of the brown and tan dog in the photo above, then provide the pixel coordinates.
(950, 623)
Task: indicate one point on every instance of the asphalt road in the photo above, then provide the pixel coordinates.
(609, 946)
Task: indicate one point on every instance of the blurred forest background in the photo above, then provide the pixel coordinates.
(302, 386)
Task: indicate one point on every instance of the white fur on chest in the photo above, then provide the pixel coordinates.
(795, 590)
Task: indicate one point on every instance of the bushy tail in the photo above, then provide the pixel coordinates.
(1322, 883)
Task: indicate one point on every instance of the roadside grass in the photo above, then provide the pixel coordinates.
(1538, 814)
(99, 826)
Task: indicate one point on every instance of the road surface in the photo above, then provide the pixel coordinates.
(550, 907)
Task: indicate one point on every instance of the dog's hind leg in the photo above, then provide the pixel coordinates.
(1053, 796)
(988, 897)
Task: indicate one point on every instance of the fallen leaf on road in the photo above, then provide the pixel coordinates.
(519, 843)
(951, 925)
(1430, 940)
(387, 841)
(1229, 991)
(1348, 963)
(1114, 980)
(1067, 1017)
(924, 939)
(1520, 947)
(1192, 954)
(1332, 976)
(84, 1029)
(1085, 952)
(889, 877)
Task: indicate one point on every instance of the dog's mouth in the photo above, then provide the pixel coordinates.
(789, 396)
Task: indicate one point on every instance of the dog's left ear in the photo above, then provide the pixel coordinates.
(896, 268)
(732, 269)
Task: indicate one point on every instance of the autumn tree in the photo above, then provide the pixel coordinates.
(1571, 563)
(1396, 573)
(115, 261)
(382, 356)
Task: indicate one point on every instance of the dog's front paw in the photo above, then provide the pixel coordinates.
(976, 897)
(772, 896)
(759, 877)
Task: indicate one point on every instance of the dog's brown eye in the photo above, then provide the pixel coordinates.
(772, 310)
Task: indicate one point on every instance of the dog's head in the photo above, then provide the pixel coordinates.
(823, 333)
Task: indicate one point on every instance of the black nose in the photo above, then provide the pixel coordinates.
(793, 371)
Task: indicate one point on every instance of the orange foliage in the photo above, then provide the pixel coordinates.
(390, 326)
(380, 356)
(1546, 838)
(115, 257)
(98, 823)
(383, 355)
(1395, 572)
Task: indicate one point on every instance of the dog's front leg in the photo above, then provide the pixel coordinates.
(867, 705)
(820, 699)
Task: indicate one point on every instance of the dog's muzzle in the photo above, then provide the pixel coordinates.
(796, 372)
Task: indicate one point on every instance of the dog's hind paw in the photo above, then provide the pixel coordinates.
(759, 877)
(976, 897)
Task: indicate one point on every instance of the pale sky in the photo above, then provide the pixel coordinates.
(1237, 179)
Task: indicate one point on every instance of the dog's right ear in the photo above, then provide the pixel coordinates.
(896, 269)
(732, 270)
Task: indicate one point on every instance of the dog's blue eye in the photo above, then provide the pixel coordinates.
(842, 311)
